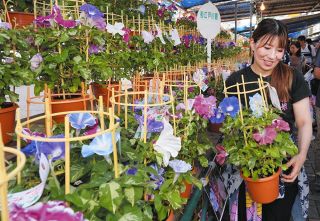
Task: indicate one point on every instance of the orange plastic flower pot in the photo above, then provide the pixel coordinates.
(105, 91)
(73, 104)
(20, 19)
(186, 194)
(171, 216)
(7, 121)
(263, 190)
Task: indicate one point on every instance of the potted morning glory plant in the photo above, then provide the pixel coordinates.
(257, 141)
(14, 71)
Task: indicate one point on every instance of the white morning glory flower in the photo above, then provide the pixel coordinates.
(116, 28)
(256, 105)
(147, 37)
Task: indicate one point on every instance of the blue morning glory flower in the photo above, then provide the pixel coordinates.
(91, 11)
(256, 105)
(230, 105)
(101, 145)
(132, 171)
(52, 150)
(30, 149)
(81, 120)
(218, 116)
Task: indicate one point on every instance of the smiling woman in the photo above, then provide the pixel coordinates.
(290, 93)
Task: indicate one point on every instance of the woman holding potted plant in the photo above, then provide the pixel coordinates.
(268, 44)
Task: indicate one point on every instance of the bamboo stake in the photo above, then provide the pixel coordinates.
(114, 143)
(173, 112)
(4, 186)
(145, 129)
(101, 113)
(244, 89)
(126, 108)
(67, 154)
(48, 116)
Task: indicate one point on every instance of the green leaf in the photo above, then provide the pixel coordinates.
(131, 216)
(77, 59)
(175, 199)
(110, 196)
(133, 194)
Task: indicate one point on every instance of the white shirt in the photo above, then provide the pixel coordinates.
(307, 54)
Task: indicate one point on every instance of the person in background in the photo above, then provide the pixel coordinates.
(308, 51)
(316, 74)
(297, 60)
(268, 43)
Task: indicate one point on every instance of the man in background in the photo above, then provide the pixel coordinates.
(308, 51)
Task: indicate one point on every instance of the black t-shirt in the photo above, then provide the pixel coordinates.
(317, 64)
(299, 90)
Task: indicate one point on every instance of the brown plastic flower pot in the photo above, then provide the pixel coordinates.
(264, 190)
(7, 121)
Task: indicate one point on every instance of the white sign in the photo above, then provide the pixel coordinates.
(208, 21)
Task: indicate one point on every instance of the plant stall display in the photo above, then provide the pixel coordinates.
(14, 72)
(256, 140)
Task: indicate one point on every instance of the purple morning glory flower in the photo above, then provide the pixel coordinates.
(230, 105)
(132, 171)
(91, 11)
(157, 178)
(28, 132)
(179, 166)
(95, 49)
(92, 129)
(81, 120)
(56, 16)
(8, 60)
(153, 126)
(52, 150)
(126, 36)
(5, 25)
(35, 61)
(218, 116)
(101, 145)
(52, 210)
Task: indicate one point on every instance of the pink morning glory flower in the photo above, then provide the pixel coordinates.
(204, 106)
(52, 210)
(281, 125)
(266, 136)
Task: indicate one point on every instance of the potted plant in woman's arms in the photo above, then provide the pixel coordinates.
(258, 143)
(14, 71)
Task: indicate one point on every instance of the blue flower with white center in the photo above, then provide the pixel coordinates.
(80, 121)
(101, 145)
(256, 105)
(91, 11)
(218, 116)
(230, 105)
(157, 178)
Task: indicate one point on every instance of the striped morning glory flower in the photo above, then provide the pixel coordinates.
(157, 178)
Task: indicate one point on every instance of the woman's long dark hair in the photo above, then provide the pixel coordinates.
(297, 44)
(281, 77)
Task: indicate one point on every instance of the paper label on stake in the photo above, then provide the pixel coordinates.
(29, 197)
(274, 97)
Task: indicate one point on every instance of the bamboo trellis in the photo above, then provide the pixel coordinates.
(241, 92)
(5, 177)
(47, 117)
(126, 99)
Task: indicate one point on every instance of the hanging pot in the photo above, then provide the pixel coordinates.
(264, 190)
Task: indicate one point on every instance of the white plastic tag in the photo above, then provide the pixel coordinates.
(274, 97)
